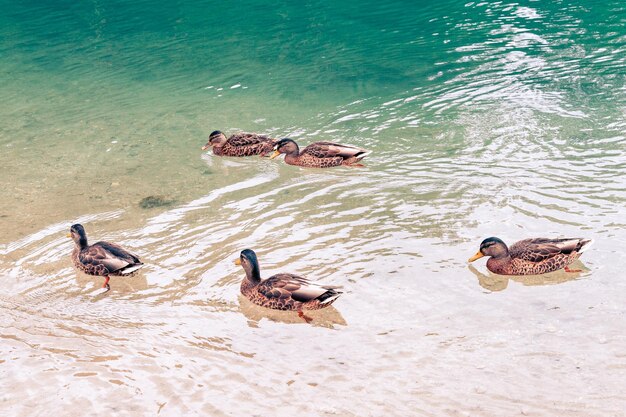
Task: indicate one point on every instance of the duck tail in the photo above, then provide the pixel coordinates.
(131, 268)
(362, 154)
(584, 244)
(329, 297)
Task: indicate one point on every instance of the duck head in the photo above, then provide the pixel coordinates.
(78, 235)
(492, 246)
(248, 261)
(216, 138)
(286, 146)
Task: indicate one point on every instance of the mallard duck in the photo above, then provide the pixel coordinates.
(531, 256)
(239, 144)
(319, 154)
(102, 258)
(282, 291)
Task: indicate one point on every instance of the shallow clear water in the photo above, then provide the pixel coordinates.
(484, 119)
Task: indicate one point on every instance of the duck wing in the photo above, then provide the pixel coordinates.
(247, 139)
(332, 150)
(110, 255)
(540, 249)
(282, 286)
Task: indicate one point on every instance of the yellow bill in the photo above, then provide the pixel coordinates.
(238, 261)
(477, 256)
(274, 154)
(69, 235)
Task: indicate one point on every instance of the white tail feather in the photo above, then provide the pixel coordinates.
(131, 269)
(331, 299)
(586, 246)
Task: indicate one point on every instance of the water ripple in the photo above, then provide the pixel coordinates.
(483, 118)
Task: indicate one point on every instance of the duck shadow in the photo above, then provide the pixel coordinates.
(495, 282)
(328, 317)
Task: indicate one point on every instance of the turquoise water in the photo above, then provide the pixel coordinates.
(399, 78)
(484, 119)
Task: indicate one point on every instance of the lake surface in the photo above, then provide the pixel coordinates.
(485, 119)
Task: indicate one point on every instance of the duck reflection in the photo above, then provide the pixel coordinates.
(121, 286)
(496, 282)
(327, 317)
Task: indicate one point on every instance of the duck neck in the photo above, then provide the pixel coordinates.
(500, 264)
(81, 243)
(217, 149)
(253, 273)
(293, 154)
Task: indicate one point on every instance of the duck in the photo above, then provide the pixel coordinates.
(319, 154)
(239, 144)
(102, 259)
(283, 291)
(531, 256)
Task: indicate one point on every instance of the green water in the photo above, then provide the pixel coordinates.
(96, 61)
(392, 75)
(484, 118)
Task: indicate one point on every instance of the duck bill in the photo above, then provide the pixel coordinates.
(237, 261)
(207, 146)
(68, 235)
(274, 154)
(477, 256)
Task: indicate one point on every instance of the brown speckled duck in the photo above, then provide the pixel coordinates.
(319, 154)
(282, 291)
(531, 256)
(102, 258)
(239, 144)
